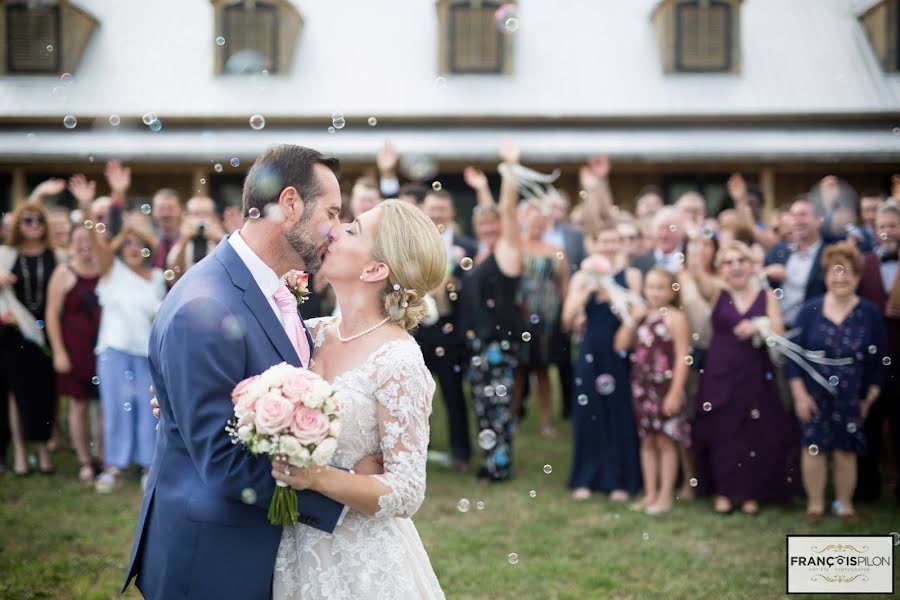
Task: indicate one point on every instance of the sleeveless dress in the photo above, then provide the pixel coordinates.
(539, 297)
(605, 455)
(80, 323)
(651, 377)
(745, 442)
(493, 328)
(385, 402)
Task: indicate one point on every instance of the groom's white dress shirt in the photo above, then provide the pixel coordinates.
(262, 273)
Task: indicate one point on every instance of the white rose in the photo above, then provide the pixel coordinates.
(245, 432)
(255, 390)
(335, 428)
(330, 405)
(290, 446)
(273, 376)
(322, 454)
(263, 446)
(302, 457)
(317, 396)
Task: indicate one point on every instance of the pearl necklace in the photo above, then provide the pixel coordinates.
(361, 333)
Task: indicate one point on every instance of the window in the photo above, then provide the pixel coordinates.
(698, 35)
(255, 36)
(882, 24)
(32, 38)
(470, 41)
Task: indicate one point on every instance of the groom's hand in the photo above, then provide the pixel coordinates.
(372, 464)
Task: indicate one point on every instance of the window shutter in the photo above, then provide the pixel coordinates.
(703, 37)
(253, 27)
(29, 32)
(475, 44)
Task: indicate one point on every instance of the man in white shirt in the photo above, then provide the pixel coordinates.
(668, 240)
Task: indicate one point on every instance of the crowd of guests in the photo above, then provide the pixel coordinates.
(723, 355)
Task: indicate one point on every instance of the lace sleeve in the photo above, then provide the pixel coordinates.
(317, 327)
(404, 390)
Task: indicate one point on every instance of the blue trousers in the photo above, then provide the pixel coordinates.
(129, 428)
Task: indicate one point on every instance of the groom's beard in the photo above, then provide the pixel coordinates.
(301, 240)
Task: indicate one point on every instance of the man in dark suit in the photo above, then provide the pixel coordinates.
(443, 343)
(880, 284)
(668, 243)
(795, 267)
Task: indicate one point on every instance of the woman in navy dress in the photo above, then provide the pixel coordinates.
(605, 456)
(742, 436)
(842, 325)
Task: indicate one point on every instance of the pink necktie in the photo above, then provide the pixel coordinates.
(287, 304)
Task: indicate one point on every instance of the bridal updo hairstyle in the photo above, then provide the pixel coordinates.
(410, 245)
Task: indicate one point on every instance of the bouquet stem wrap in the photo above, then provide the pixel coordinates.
(283, 507)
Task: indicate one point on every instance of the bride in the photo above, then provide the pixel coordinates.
(381, 266)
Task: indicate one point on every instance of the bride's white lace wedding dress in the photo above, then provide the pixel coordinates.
(385, 404)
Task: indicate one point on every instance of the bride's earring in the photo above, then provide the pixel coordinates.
(361, 278)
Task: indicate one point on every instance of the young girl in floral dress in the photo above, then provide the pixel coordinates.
(660, 338)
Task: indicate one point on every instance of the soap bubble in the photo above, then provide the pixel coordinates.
(526, 337)
(463, 505)
(487, 439)
(257, 122)
(148, 118)
(217, 167)
(582, 399)
(466, 263)
(548, 469)
(145, 252)
(605, 384)
(437, 186)
(220, 41)
(813, 450)
(169, 274)
(253, 213)
(532, 493)
(513, 558)
(373, 121)
(100, 228)
(146, 209)
(248, 496)
(235, 162)
(440, 83)
(886, 361)
(707, 406)
(778, 293)
(114, 120)
(69, 121)
(337, 120)
(155, 125)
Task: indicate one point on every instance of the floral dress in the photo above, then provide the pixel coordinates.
(651, 377)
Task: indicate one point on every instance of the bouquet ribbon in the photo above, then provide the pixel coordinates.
(780, 347)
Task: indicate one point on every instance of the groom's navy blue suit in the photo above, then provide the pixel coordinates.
(203, 530)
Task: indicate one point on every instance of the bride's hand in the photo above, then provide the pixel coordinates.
(372, 464)
(300, 478)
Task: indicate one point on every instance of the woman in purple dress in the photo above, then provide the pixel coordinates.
(742, 436)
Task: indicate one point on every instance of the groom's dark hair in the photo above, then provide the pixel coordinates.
(282, 166)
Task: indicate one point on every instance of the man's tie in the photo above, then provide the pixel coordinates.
(287, 304)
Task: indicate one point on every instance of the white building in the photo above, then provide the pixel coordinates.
(679, 92)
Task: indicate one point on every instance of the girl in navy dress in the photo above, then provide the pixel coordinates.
(842, 325)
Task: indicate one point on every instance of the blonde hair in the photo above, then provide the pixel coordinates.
(131, 228)
(734, 246)
(410, 245)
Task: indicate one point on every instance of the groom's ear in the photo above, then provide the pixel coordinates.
(291, 203)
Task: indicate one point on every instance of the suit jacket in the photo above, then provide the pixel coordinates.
(644, 262)
(573, 246)
(203, 530)
(871, 287)
(815, 284)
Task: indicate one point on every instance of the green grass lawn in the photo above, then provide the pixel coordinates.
(58, 539)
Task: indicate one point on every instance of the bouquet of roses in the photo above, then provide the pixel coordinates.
(288, 413)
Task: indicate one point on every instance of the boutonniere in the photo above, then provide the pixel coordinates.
(298, 283)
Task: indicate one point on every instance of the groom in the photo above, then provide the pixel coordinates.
(203, 530)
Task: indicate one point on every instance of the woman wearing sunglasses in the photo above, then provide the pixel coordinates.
(742, 435)
(26, 264)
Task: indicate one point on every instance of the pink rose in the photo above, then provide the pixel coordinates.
(296, 386)
(273, 414)
(309, 426)
(241, 388)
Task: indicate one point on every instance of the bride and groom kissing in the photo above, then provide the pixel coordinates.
(203, 530)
